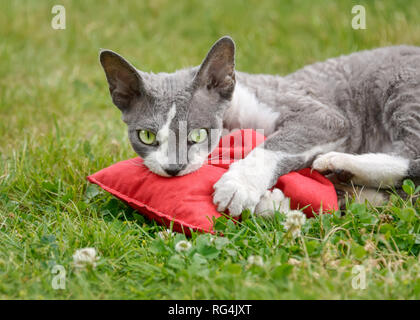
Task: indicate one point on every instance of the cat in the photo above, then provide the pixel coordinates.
(356, 116)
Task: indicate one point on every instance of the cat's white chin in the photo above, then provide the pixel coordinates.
(155, 167)
(159, 172)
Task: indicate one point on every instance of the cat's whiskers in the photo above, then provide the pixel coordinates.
(137, 164)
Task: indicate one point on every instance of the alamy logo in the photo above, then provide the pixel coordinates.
(58, 282)
(59, 20)
(358, 282)
(177, 151)
(359, 20)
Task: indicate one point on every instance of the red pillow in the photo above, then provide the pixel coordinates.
(188, 201)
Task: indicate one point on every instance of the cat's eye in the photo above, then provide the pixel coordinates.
(198, 135)
(147, 137)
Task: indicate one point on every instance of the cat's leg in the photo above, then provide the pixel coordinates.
(360, 194)
(376, 170)
(292, 147)
(380, 170)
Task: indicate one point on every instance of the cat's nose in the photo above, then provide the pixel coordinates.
(172, 172)
(174, 169)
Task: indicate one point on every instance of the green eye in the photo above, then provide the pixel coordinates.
(147, 137)
(198, 135)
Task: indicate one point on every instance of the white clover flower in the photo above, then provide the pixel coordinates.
(256, 260)
(182, 245)
(84, 257)
(165, 234)
(294, 222)
(294, 262)
(370, 246)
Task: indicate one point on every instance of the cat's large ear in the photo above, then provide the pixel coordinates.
(125, 83)
(217, 72)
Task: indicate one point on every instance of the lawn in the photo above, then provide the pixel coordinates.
(58, 125)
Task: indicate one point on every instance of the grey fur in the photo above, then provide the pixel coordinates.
(365, 102)
(200, 94)
(414, 171)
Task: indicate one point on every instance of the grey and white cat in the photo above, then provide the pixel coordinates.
(355, 115)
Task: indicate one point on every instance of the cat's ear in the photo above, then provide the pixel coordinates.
(125, 83)
(217, 72)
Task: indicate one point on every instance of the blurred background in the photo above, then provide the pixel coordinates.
(52, 79)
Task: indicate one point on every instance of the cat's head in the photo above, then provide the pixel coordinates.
(174, 120)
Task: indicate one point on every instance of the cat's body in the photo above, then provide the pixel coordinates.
(358, 114)
(358, 90)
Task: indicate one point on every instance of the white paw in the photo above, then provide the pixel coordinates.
(332, 161)
(369, 169)
(237, 190)
(242, 186)
(234, 194)
(272, 201)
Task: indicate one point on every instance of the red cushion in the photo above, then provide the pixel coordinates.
(188, 201)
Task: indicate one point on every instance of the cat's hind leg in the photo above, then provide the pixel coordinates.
(376, 170)
(401, 121)
(359, 194)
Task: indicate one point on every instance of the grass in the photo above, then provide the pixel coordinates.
(58, 126)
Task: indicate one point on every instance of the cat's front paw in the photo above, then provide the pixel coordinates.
(272, 201)
(235, 193)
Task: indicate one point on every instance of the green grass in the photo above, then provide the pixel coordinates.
(57, 125)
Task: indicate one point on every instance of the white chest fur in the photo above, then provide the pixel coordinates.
(246, 112)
